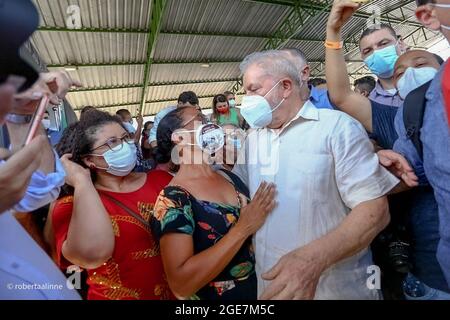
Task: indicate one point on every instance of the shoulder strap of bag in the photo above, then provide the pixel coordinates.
(413, 111)
(128, 210)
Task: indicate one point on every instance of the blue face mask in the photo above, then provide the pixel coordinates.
(121, 159)
(414, 78)
(382, 62)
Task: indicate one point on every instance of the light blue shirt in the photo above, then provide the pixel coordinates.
(158, 117)
(320, 98)
(26, 271)
(435, 167)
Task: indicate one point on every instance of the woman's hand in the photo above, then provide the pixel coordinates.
(254, 215)
(75, 174)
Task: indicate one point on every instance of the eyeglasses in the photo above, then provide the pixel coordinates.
(113, 143)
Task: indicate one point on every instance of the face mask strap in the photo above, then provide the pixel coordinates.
(276, 84)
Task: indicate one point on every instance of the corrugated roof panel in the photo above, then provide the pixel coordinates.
(104, 97)
(94, 77)
(160, 73)
(231, 16)
(173, 91)
(83, 47)
(112, 14)
(183, 47)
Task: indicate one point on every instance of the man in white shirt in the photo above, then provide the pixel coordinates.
(331, 188)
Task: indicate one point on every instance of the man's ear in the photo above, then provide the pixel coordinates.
(306, 74)
(426, 14)
(287, 86)
(402, 44)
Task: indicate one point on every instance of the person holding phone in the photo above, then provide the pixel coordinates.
(30, 175)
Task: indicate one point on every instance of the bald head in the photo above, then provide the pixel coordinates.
(415, 59)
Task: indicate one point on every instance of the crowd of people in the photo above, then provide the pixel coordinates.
(295, 194)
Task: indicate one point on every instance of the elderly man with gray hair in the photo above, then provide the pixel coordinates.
(331, 188)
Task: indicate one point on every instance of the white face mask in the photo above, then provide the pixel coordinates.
(208, 137)
(129, 127)
(121, 160)
(257, 111)
(414, 78)
(46, 123)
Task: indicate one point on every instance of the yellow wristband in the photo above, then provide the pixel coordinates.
(334, 44)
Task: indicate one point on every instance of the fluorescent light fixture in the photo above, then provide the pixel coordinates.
(205, 65)
(71, 68)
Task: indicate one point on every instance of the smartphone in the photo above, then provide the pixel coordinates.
(37, 119)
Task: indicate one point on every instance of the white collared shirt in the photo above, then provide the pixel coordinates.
(323, 165)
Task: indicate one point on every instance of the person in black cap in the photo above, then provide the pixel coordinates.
(31, 175)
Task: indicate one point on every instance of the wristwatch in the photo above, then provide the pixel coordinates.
(19, 118)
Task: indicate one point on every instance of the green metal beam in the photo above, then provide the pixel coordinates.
(157, 9)
(291, 26)
(155, 84)
(318, 7)
(109, 64)
(182, 33)
(91, 30)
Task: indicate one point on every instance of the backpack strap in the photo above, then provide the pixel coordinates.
(413, 112)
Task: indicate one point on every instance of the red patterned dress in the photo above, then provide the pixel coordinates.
(135, 270)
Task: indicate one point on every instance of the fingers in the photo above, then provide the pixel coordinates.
(28, 158)
(272, 273)
(272, 290)
(66, 157)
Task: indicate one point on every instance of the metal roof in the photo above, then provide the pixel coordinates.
(141, 54)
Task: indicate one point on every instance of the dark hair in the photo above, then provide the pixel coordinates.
(188, 96)
(85, 110)
(377, 27)
(228, 93)
(123, 113)
(171, 122)
(218, 98)
(146, 124)
(316, 82)
(78, 138)
(366, 83)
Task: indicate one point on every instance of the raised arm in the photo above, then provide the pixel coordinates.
(90, 238)
(338, 82)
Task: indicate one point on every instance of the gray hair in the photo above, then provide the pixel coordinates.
(297, 56)
(274, 62)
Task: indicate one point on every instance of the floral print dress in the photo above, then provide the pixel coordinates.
(177, 211)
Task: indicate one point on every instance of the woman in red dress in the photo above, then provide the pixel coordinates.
(104, 226)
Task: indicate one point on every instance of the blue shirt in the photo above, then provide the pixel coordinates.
(384, 97)
(161, 114)
(320, 98)
(435, 167)
(423, 216)
(383, 128)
